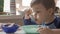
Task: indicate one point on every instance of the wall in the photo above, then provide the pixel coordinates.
(11, 19)
(21, 7)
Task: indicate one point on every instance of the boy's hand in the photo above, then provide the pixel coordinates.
(28, 13)
(45, 30)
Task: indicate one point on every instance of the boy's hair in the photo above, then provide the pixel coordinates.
(47, 3)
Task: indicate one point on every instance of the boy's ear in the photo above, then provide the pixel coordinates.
(51, 11)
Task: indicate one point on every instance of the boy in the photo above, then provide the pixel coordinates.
(45, 10)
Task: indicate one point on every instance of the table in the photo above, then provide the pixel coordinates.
(17, 32)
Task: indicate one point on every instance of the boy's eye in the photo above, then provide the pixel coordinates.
(37, 11)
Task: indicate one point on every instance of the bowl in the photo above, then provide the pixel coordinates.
(31, 29)
(11, 29)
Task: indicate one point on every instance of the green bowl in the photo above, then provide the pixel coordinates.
(30, 29)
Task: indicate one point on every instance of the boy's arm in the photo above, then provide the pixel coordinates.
(56, 31)
(27, 21)
(27, 18)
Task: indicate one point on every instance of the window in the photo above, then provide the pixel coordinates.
(26, 2)
(17, 5)
(6, 5)
(58, 3)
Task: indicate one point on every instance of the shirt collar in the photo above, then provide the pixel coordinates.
(55, 20)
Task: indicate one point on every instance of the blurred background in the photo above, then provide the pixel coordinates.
(13, 10)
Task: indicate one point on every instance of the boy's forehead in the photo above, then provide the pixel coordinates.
(38, 6)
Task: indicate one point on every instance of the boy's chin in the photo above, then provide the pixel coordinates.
(38, 23)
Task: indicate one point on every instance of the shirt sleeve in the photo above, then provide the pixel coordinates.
(57, 23)
(28, 22)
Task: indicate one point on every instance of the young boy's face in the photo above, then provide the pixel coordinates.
(43, 13)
